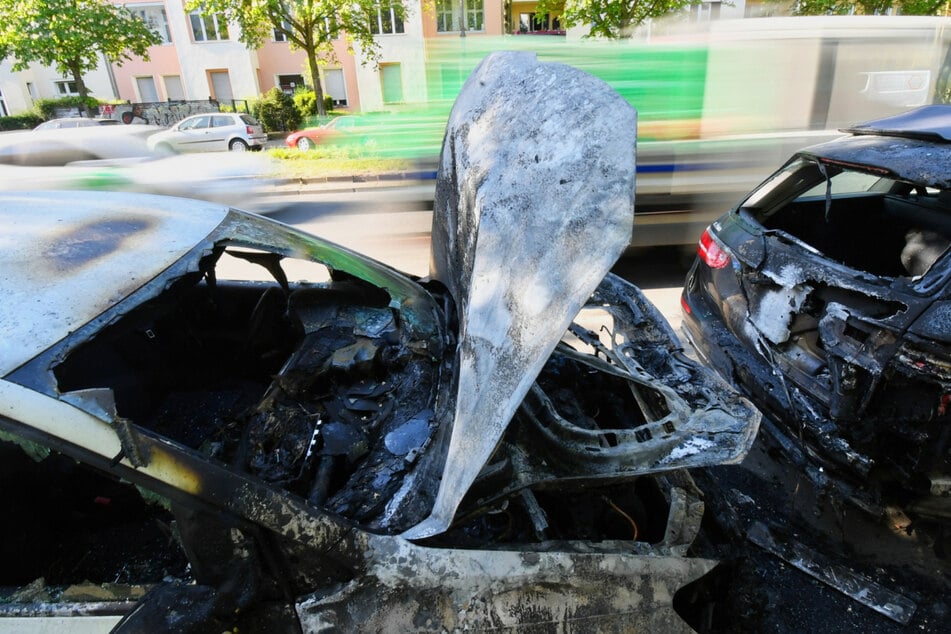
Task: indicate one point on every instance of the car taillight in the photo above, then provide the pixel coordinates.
(250, 129)
(710, 251)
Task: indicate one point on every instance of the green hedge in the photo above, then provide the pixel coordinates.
(276, 111)
(46, 108)
(20, 122)
(279, 112)
(305, 100)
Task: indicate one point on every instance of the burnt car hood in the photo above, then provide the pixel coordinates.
(345, 417)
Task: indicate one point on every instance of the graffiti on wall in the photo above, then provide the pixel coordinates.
(165, 113)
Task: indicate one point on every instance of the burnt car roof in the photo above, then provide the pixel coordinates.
(64, 266)
(913, 147)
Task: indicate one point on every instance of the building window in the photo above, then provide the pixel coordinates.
(475, 15)
(538, 23)
(173, 88)
(336, 86)
(154, 16)
(450, 15)
(221, 86)
(208, 27)
(705, 11)
(290, 83)
(66, 88)
(385, 20)
(392, 81)
(280, 34)
(146, 89)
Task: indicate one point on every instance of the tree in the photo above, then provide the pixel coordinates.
(866, 7)
(71, 35)
(309, 25)
(613, 19)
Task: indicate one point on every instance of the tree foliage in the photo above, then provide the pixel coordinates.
(867, 7)
(276, 111)
(612, 18)
(309, 25)
(71, 35)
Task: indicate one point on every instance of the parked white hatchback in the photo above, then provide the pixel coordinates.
(210, 132)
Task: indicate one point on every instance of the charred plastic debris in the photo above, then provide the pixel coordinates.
(502, 444)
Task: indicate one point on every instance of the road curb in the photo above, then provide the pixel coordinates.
(353, 182)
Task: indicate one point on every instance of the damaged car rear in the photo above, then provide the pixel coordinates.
(222, 421)
(825, 296)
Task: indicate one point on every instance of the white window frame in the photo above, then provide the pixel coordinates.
(155, 20)
(450, 18)
(65, 88)
(199, 23)
(280, 36)
(397, 27)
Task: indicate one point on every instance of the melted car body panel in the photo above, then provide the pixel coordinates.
(63, 277)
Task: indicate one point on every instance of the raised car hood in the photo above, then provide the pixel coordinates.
(514, 244)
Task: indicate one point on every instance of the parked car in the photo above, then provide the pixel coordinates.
(282, 434)
(825, 296)
(401, 134)
(74, 122)
(210, 132)
(309, 138)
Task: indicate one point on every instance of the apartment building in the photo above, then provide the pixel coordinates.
(201, 57)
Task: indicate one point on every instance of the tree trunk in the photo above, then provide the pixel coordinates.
(315, 80)
(83, 91)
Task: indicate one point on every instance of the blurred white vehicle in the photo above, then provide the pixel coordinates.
(65, 145)
(75, 122)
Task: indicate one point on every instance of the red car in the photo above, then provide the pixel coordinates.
(308, 138)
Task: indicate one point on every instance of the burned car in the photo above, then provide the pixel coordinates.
(222, 421)
(824, 296)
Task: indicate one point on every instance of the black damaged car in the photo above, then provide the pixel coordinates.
(824, 295)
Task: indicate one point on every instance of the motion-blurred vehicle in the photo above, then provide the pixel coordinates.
(117, 158)
(67, 145)
(74, 122)
(211, 132)
(64, 146)
(718, 103)
(825, 295)
(309, 138)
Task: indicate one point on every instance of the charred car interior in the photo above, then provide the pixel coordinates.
(504, 443)
(823, 296)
